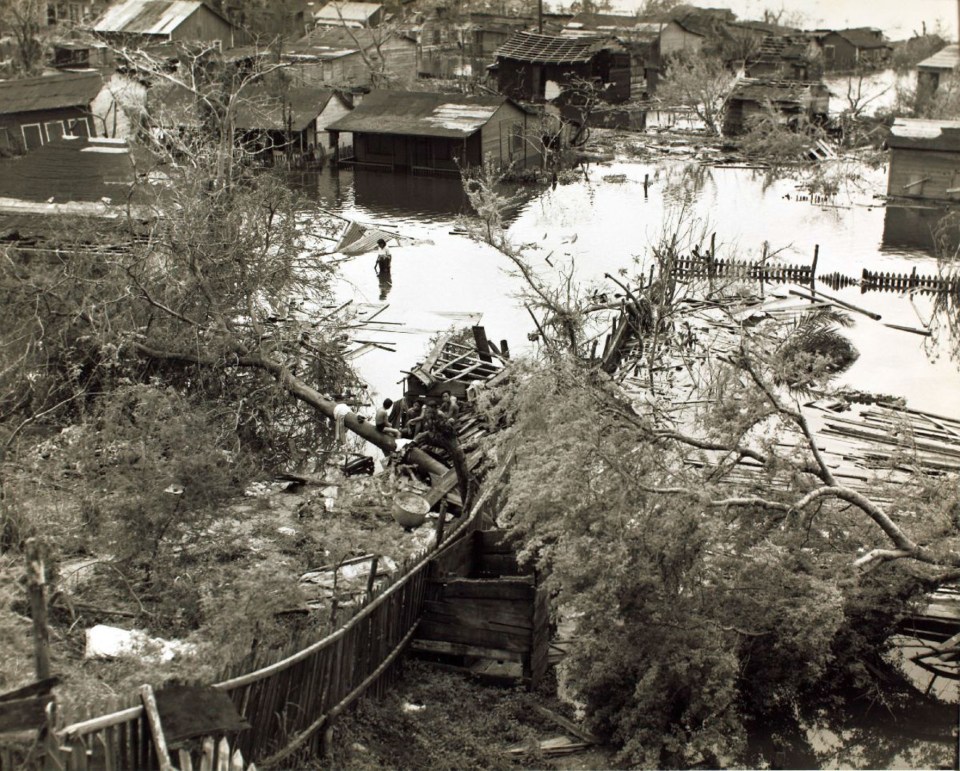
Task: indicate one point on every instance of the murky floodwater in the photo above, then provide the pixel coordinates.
(605, 223)
(600, 225)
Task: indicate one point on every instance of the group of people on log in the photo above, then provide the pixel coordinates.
(417, 419)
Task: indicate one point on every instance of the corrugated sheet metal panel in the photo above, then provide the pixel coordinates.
(554, 49)
(147, 17)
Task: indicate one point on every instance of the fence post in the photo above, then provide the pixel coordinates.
(371, 579)
(813, 269)
(37, 593)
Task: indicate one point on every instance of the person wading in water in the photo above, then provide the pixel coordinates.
(382, 268)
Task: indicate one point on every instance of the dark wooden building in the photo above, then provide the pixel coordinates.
(35, 111)
(846, 50)
(537, 68)
(924, 159)
(428, 132)
(792, 101)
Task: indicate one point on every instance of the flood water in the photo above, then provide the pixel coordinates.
(606, 223)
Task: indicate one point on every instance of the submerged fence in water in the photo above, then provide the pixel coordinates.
(704, 266)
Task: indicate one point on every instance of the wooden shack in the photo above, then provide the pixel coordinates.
(934, 69)
(846, 50)
(538, 68)
(345, 57)
(35, 111)
(791, 101)
(428, 132)
(924, 159)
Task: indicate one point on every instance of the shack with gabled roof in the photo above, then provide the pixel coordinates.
(35, 111)
(924, 159)
(859, 48)
(535, 67)
(165, 21)
(437, 133)
(341, 56)
(932, 70)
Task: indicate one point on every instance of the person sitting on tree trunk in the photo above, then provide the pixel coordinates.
(382, 418)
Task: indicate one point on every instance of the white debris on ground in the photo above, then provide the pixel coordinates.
(108, 642)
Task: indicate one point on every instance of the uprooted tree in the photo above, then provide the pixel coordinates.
(718, 569)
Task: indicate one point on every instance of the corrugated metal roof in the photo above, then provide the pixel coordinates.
(945, 59)
(148, 17)
(925, 134)
(418, 113)
(552, 49)
(49, 92)
(347, 11)
(70, 170)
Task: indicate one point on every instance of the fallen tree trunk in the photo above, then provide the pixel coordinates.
(300, 390)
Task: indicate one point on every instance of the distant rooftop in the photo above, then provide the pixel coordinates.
(552, 49)
(148, 17)
(49, 92)
(339, 12)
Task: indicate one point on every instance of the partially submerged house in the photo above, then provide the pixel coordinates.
(288, 125)
(348, 13)
(438, 133)
(140, 22)
(35, 111)
(345, 57)
(792, 102)
(932, 70)
(924, 159)
(537, 68)
(860, 48)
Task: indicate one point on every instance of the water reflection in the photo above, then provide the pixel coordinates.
(912, 227)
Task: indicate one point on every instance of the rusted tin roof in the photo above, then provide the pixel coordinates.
(149, 17)
(862, 37)
(419, 113)
(776, 91)
(553, 49)
(49, 92)
(916, 134)
(945, 59)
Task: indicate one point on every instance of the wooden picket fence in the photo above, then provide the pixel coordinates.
(289, 703)
(870, 281)
(705, 267)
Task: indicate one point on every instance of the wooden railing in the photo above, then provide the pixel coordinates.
(289, 703)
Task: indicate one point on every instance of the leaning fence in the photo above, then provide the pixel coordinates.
(288, 703)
